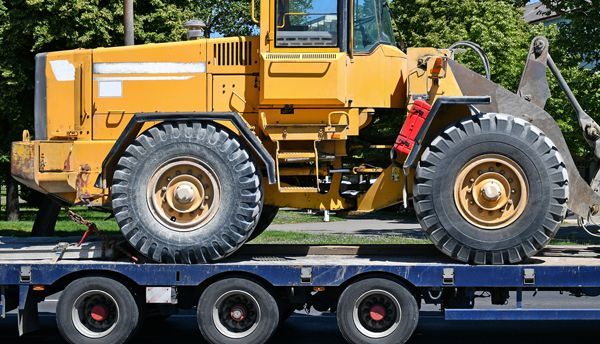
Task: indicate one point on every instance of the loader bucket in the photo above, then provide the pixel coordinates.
(583, 201)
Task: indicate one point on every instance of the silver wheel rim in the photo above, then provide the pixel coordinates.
(374, 301)
(86, 317)
(236, 314)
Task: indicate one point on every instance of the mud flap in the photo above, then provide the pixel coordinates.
(504, 101)
(27, 314)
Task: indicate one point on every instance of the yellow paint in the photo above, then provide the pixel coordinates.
(318, 78)
(305, 103)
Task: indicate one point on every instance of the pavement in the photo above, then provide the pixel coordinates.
(392, 224)
(371, 225)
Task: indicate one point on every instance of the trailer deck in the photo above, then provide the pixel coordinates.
(420, 267)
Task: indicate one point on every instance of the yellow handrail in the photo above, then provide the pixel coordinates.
(254, 13)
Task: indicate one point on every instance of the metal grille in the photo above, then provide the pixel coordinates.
(302, 56)
(233, 54)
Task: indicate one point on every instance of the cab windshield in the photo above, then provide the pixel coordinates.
(372, 24)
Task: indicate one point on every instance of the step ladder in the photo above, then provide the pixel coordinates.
(291, 156)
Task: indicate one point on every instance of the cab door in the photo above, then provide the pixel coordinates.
(306, 64)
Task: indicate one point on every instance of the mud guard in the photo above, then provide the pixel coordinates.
(504, 101)
(136, 123)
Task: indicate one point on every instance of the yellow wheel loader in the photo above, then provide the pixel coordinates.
(195, 145)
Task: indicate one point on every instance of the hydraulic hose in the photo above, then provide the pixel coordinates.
(479, 50)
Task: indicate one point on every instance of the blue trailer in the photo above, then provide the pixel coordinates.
(377, 291)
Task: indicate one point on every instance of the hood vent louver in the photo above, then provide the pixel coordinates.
(233, 53)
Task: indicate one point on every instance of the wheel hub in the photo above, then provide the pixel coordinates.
(238, 313)
(377, 313)
(184, 194)
(98, 313)
(491, 191)
(95, 314)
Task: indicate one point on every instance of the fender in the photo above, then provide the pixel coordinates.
(139, 119)
(413, 156)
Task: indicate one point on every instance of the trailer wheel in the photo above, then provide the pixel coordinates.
(97, 310)
(186, 193)
(237, 310)
(266, 218)
(491, 190)
(377, 311)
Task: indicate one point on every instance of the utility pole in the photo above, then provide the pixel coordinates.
(128, 22)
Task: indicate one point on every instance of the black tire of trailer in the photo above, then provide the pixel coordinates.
(218, 295)
(266, 218)
(128, 314)
(503, 135)
(240, 192)
(396, 298)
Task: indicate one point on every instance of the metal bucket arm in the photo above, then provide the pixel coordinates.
(586, 202)
(534, 88)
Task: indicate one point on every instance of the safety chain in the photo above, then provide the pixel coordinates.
(92, 228)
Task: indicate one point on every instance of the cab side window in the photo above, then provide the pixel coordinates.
(307, 23)
(372, 24)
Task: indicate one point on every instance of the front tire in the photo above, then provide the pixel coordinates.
(186, 193)
(491, 190)
(266, 218)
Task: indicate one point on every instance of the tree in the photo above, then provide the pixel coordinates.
(225, 17)
(497, 26)
(28, 27)
(579, 32)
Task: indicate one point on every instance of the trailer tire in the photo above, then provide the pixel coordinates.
(377, 311)
(237, 311)
(266, 218)
(97, 310)
(186, 193)
(491, 190)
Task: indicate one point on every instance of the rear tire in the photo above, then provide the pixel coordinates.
(266, 218)
(237, 311)
(97, 310)
(491, 190)
(377, 311)
(186, 193)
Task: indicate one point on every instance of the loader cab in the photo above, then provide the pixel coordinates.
(327, 52)
(329, 25)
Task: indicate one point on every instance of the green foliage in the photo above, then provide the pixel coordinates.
(499, 28)
(495, 25)
(31, 26)
(580, 31)
(225, 17)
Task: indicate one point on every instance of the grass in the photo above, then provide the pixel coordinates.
(280, 237)
(66, 227)
(298, 216)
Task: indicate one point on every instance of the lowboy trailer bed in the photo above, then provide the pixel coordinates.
(376, 291)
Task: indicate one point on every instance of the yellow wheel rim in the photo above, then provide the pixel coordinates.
(491, 191)
(184, 194)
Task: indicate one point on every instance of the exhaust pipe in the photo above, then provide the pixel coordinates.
(195, 29)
